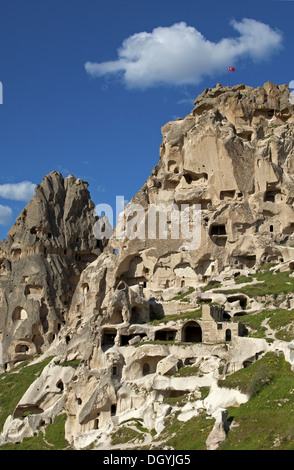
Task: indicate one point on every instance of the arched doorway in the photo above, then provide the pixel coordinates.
(146, 369)
(192, 333)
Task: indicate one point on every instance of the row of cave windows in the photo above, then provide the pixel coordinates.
(220, 230)
(78, 257)
(16, 253)
(24, 348)
(192, 333)
(33, 231)
(215, 231)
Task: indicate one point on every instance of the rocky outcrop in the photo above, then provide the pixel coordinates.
(42, 259)
(233, 157)
(219, 432)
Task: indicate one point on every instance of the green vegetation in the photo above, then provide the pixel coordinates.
(266, 421)
(269, 284)
(187, 371)
(30, 443)
(17, 382)
(193, 315)
(137, 423)
(251, 380)
(125, 435)
(243, 279)
(55, 433)
(189, 435)
(254, 322)
(158, 341)
(181, 400)
(204, 392)
(216, 285)
(181, 297)
(74, 364)
(267, 136)
(282, 321)
(14, 384)
(53, 438)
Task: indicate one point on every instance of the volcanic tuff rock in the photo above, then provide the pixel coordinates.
(41, 261)
(234, 156)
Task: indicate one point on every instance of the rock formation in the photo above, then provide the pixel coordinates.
(233, 156)
(48, 247)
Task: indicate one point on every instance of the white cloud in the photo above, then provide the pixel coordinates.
(5, 215)
(18, 192)
(180, 54)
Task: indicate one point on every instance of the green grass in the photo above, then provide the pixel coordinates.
(189, 435)
(126, 435)
(251, 380)
(193, 315)
(279, 320)
(270, 284)
(243, 279)
(266, 421)
(181, 400)
(216, 285)
(204, 392)
(55, 433)
(253, 322)
(137, 423)
(29, 443)
(187, 371)
(14, 384)
(182, 296)
(74, 364)
(54, 438)
(282, 321)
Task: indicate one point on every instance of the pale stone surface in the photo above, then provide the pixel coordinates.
(168, 365)
(216, 437)
(220, 397)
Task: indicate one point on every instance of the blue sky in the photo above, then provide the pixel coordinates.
(88, 84)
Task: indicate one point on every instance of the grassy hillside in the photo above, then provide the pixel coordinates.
(266, 421)
(13, 385)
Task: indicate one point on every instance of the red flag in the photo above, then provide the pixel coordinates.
(231, 69)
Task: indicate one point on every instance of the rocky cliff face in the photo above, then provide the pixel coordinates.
(234, 156)
(48, 247)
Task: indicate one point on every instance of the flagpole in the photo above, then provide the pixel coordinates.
(231, 69)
